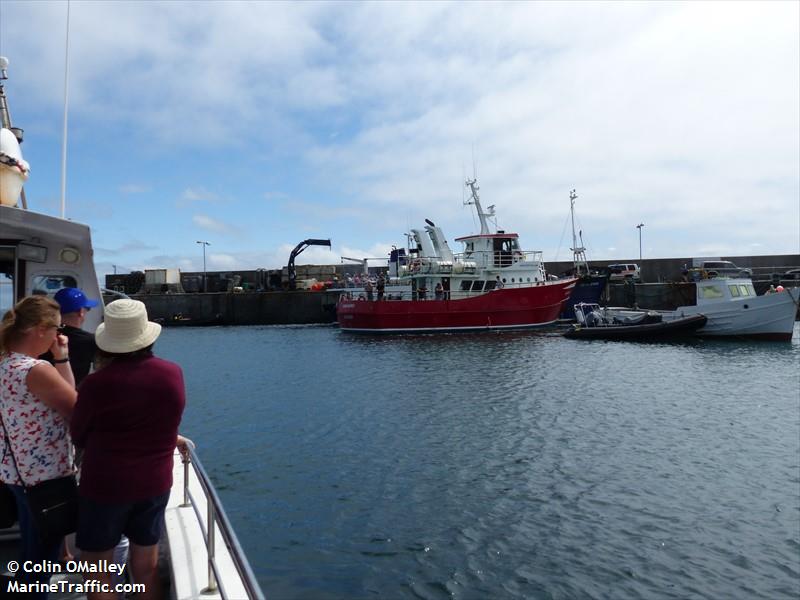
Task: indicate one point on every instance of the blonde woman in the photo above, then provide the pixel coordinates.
(36, 403)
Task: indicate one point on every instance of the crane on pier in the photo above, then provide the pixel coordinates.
(291, 271)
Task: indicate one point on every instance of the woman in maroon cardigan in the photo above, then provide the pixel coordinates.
(126, 420)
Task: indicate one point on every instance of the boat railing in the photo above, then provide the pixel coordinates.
(470, 262)
(499, 258)
(216, 519)
(427, 294)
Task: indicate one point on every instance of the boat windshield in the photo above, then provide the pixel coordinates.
(7, 259)
(710, 292)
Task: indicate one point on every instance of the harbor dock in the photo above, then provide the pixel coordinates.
(255, 297)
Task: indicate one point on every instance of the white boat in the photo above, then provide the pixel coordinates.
(734, 310)
(41, 254)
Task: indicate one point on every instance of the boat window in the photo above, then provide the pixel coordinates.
(734, 290)
(7, 259)
(465, 285)
(477, 286)
(751, 289)
(490, 285)
(710, 292)
(502, 252)
(744, 291)
(50, 284)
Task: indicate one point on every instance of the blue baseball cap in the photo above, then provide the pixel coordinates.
(72, 300)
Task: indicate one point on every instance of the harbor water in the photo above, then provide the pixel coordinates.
(500, 465)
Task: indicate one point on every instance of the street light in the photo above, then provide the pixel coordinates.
(204, 262)
(639, 227)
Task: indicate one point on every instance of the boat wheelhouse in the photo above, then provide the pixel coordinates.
(492, 284)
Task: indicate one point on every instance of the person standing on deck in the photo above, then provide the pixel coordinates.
(381, 286)
(36, 403)
(126, 420)
(82, 348)
(368, 288)
(74, 305)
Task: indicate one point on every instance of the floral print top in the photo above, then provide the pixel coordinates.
(36, 433)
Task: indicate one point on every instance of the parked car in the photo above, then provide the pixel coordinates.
(724, 268)
(623, 271)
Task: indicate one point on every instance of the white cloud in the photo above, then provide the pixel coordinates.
(213, 225)
(193, 195)
(133, 188)
(223, 262)
(680, 115)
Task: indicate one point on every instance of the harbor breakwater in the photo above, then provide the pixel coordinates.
(253, 308)
(659, 290)
(306, 307)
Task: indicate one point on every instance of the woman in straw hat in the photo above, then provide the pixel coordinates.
(126, 419)
(36, 402)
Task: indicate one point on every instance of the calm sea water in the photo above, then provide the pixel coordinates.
(513, 465)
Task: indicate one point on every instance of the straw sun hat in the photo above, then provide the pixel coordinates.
(126, 328)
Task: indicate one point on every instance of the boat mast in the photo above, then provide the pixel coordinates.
(64, 135)
(475, 199)
(578, 252)
(5, 117)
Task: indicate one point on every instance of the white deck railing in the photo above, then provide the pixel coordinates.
(196, 522)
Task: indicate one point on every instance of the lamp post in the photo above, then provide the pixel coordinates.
(204, 263)
(639, 227)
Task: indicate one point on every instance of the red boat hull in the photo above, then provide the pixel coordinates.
(507, 308)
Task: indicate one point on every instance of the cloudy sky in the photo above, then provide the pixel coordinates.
(256, 125)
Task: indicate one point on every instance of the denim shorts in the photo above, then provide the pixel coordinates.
(102, 524)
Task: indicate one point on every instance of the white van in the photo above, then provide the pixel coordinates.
(623, 271)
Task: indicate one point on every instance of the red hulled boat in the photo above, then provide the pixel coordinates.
(492, 284)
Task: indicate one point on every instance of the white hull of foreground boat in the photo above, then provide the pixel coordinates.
(187, 529)
(770, 316)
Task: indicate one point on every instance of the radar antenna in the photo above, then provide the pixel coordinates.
(475, 199)
(578, 252)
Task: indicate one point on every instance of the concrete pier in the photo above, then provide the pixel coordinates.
(660, 289)
(253, 308)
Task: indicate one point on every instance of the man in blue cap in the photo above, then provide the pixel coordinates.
(74, 306)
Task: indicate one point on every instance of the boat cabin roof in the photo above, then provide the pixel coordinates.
(723, 290)
(478, 236)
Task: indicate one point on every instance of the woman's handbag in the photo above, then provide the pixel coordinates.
(53, 504)
(8, 507)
